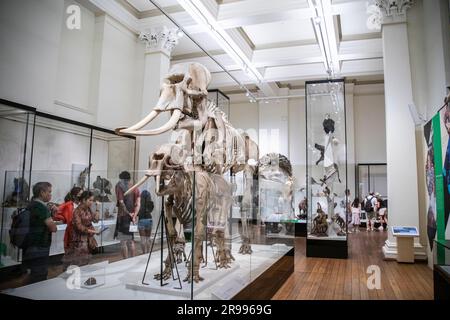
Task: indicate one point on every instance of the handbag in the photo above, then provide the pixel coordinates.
(92, 244)
(124, 224)
(133, 227)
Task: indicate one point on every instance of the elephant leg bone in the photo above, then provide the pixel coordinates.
(223, 253)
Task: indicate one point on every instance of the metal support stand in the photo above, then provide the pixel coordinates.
(206, 247)
(162, 222)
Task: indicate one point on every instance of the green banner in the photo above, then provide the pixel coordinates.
(438, 167)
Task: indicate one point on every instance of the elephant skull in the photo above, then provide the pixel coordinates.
(183, 89)
(165, 165)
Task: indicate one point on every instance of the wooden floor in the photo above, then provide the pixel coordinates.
(319, 278)
(337, 279)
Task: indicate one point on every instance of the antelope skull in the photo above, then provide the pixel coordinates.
(183, 92)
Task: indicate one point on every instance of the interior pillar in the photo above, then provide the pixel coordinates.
(403, 205)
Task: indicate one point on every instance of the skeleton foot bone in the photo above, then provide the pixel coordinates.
(167, 273)
(245, 248)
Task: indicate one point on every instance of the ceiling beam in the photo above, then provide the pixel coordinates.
(249, 12)
(296, 54)
(304, 72)
(205, 13)
(360, 49)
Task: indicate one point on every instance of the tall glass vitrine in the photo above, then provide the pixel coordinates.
(326, 169)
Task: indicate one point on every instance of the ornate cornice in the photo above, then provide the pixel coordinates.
(387, 11)
(160, 39)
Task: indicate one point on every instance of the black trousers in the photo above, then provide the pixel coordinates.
(36, 259)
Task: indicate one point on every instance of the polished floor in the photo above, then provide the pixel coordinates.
(334, 279)
(338, 279)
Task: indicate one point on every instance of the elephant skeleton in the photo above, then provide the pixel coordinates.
(276, 186)
(212, 203)
(209, 141)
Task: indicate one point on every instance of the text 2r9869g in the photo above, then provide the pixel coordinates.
(246, 309)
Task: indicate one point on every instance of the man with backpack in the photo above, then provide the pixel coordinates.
(370, 203)
(36, 251)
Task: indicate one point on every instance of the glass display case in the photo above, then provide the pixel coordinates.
(326, 169)
(224, 267)
(16, 133)
(276, 195)
(371, 177)
(221, 100)
(441, 269)
(39, 146)
(225, 253)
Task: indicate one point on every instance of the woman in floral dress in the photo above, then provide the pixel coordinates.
(82, 241)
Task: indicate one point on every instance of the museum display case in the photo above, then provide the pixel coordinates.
(16, 136)
(276, 195)
(226, 252)
(221, 100)
(38, 145)
(326, 168)
(225, 266)
(371, 177)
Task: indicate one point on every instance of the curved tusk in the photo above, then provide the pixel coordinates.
(166, 127)
(157, 182)
(137, 185)
(152, 115)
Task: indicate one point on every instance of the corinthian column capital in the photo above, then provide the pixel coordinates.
(160, 39)
(386, 12)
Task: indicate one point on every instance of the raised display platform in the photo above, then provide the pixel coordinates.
(121, 278)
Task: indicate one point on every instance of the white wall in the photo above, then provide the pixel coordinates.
(370, 127)
(297, 144)
(436, 31)
(29, 54)
(92, 75)
(75, 62)
(245, 116)
(118, 101)
(273, 127)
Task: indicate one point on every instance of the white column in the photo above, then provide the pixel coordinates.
(159, 45)
(400, 129)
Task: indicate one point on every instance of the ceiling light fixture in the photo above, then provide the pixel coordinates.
(200, 13)
(164, 12)
(324, 26)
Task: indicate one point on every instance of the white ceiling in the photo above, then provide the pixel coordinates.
(145, 5)
(280, 31)
(277, 36)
